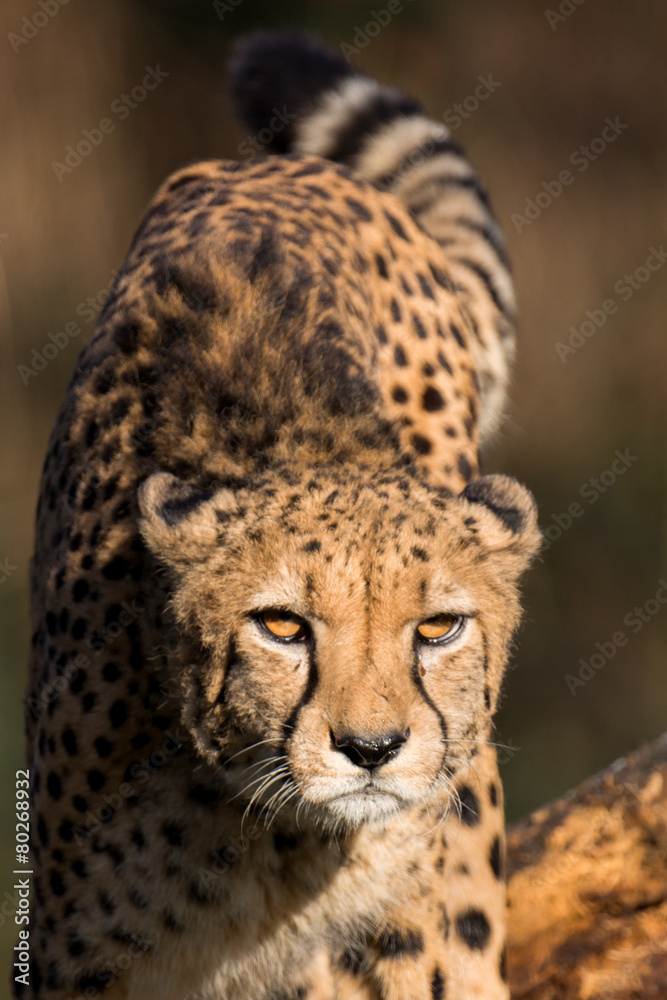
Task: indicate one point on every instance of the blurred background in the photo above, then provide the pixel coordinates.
(592, 367)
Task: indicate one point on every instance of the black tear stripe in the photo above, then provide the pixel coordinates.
(309, 691)
(422, 690)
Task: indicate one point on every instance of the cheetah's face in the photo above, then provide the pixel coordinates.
(342, 641)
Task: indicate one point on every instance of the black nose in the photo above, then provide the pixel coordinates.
(369, 753)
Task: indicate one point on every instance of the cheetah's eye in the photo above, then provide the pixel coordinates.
(283, 625)
(440, 628)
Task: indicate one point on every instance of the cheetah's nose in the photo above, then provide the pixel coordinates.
(369, 753)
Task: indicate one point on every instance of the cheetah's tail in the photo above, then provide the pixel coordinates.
(323, 106)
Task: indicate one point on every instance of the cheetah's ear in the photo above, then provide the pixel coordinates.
(178, 523)
(506, 513)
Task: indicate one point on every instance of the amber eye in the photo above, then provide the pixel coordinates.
(283, 625)
(440, 628)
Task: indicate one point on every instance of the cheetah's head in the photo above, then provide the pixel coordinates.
(342, 638)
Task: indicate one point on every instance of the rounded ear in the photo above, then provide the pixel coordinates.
(178, 523)
(506, 513)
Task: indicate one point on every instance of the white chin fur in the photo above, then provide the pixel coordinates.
(359, 808)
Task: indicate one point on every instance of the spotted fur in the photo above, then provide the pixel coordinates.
(281, 407)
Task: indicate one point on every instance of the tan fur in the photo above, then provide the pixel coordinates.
(233, 441)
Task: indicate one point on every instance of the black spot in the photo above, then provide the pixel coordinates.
(437, 985)
(66, 830)
(95, 981)
(493, 794)
(360, 210)
(79, 868)
(399, 395)
(399, 356)
(457, 335)
(283, 842)
(77, 946)
(442, 360)
(421, 444)
(487, 697)
(140, 740)
(502, 969)
(313, 546)
(395, 311)
(80, 804)
(79, 628)
(381, 265)
(63, 620)
(473, 928)
(425, 286)
(420, 554)
(396, 226)
(353, 960)
(116, 569)
(104, 382)
(395, 944)
(171, 923)
(96, 780)
(173, 834)
(440, 276)
(54, 786)
(464, 467)
(89, 701)
(496, 859)
(118, 713)
(469, 806)
(138, 900)
(42, 831)
(199, 894)
(57, 884)
(105, 904)
(204, 796)
(444, 923)
(69, 741)
(381, 334)
(92, 431)
(419, 328)
(51, 623)
(110, 672)
(103, 746)
(136, 656)
(432, 401)
(127, 337)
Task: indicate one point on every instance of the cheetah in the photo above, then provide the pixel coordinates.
(272, 594)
